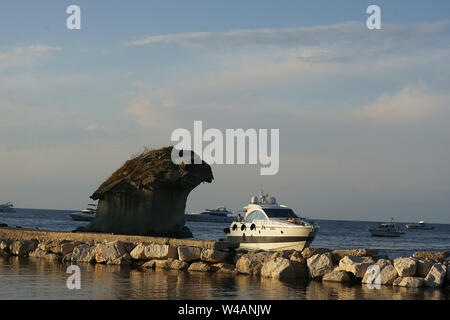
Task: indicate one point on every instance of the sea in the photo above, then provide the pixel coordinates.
(28, 278)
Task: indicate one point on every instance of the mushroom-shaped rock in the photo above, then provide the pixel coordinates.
(147, 195)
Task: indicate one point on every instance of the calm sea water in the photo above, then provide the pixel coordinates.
(28, 278)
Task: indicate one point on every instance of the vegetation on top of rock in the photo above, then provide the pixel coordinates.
(151, 168)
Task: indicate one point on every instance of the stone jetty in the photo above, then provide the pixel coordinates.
(366, 266)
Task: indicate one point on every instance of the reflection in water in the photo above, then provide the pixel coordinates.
(34, 278)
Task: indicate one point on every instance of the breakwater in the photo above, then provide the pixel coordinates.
(428, 269)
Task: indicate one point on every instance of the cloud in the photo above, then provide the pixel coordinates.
(340, 39)
(25, 56)
(304, 36)
(412, 104)
(293, 68)
(36, 50)
(94, 127)
(152, 110)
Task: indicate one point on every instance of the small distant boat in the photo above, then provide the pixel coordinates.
(420, 225)
(386, 230)
(87, 214)
(220, 214)
(7, 207)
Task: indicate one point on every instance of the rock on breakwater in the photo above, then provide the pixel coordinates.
(203, 256)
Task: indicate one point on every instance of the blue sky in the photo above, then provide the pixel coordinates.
(110, 22)
(363, 115)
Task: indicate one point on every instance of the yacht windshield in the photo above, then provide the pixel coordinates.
(280, 213)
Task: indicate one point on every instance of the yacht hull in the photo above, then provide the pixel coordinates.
(79, 216)
(7, 207)
(418, 227)
(382, 233)
(272, 238)
(281, 244)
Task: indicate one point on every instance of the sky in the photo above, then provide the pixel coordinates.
(363, 114)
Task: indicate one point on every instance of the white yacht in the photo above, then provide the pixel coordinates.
(386, 230)
(220, 214)
(420, 225)
(7, 207)
(87, 214)
(91, 209)
(267, 225)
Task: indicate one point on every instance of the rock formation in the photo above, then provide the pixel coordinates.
(147, 195)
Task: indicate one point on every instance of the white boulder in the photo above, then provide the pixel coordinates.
(138, 253)
(251, 263)
(319, 264)
(336, 276)
(107, 252)
(212, 255)
(125, 259)
(223, 267)
(384, 273)
(406, 267)
(309, 252)
(4, 244)
(201, 266)
(423, 267)
(83, 253)
(160, 251)
(23, 247)
(67, 247)
(39, 253)
(278, 268)
(436, 276)
(189, 253)
(158, 264)
(409, 282)
(178, 265)
(355, 265)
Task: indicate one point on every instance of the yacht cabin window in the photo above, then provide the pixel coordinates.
(280, 213)
(255, 215)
